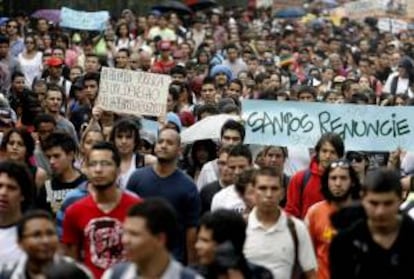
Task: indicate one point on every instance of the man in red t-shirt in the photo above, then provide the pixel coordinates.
(92, 228)
(164, 63)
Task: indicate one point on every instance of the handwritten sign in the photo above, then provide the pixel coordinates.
(131, 92)
(369, 128)
(83, 20)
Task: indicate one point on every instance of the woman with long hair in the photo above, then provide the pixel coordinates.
(18, 145)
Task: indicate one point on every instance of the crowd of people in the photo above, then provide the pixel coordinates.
(89, 193)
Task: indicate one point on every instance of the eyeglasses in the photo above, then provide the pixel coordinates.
(11, 26)
(355, 157)
(29, 42)
(339, 164)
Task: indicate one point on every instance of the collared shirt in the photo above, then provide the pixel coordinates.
(274, 248)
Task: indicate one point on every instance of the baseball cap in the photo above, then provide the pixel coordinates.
(147, 136)
(54, 61)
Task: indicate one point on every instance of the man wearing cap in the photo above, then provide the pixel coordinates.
(147, 142)
(55, 67)
(164, 63)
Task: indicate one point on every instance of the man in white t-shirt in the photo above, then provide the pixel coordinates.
(273, 237)
(232, 133)
(239, 160)
(16, 187)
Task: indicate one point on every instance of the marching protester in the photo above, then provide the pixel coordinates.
(339, 186)
(249, 108)
(380, 244)
(99, 215)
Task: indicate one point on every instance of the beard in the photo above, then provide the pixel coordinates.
(104, 186)
(163, 160)
(340, 198)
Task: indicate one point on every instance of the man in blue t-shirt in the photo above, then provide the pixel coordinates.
(165, 180)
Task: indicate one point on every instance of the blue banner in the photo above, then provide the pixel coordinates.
(83, 20)
(363, 127)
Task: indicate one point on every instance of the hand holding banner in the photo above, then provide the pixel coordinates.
(83, 20)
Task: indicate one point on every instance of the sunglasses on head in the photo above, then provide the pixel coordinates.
(355, 157)
(339, 164)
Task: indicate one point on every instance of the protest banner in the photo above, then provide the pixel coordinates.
(392, 25)
(282, 4)
(369, 128)
(132, 92)
(83, 20)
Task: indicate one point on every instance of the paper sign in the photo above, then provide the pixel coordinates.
(362, 127)
(83, 20)
(132, 92)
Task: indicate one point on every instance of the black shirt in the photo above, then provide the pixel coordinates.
(51, 196)
(354, 254)
(207, 194)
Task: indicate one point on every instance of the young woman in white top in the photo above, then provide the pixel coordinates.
(30, 60)
(126, 138)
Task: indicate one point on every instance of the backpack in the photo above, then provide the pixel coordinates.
(297, 272)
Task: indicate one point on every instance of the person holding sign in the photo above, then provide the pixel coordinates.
(304, 187)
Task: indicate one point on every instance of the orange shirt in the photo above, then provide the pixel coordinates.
(321, 232)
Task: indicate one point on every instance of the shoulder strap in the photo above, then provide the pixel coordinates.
(293, 233)
(394, 85)
(139, 160)
(305, 179)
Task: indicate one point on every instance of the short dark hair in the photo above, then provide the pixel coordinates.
(16, 74)
(226, 225)
(27, 138)
(43, 118)
(383, 180)
(24, 179)
(233, 125)
(160, 217)
(30, 215)
(207, 108)
(104, 145)
(307, 89)
(241, 150)
(178, 70)
(243, 180)
(4, 40)
(355, 183)
(266, 171)
(91, 76)
(127, 125)
(60, 139)
(209, 80)
(335, 140)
